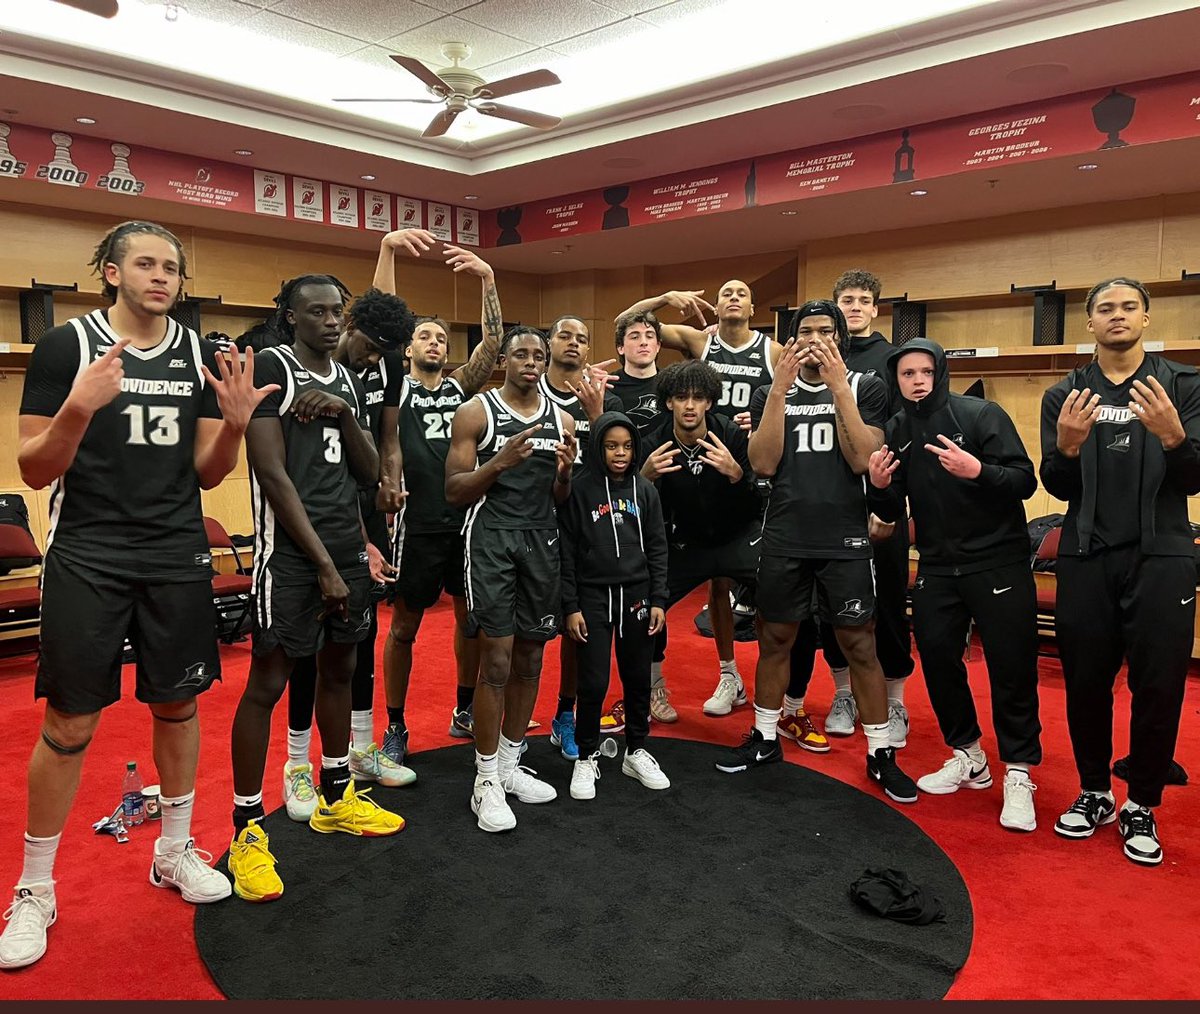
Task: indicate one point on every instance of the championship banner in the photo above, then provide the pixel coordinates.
(377, 210)
(308, 199)
(343, 205)
(466, 227)
(409, 213)
(270, 193)
(440, 221)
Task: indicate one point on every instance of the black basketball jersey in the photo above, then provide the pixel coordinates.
(425, 418)
(381, 388)
(570, 404)
(130, 502)
(522, 497)
(818, 506)
(316, 463)
(639, 399)
(743, 371)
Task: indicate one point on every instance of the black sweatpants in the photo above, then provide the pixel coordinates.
(619, 615)
(302, 684)
(1114, 605)
(1003, 604)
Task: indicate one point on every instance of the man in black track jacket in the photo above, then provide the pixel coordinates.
(1121, 444)
(962, 465)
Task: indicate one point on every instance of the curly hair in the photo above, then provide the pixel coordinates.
(382, 317)
(1108, 283)
(692, 376)
(519, 331)
(287, 294)
(856, 278)
(115, 245)
(627, 320)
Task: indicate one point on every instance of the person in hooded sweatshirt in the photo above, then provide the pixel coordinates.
(965, 472)
(614, 580)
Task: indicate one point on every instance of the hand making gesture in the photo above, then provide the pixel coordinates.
(832, 366)
(661, 462)
(101, 381)
(236, 394)
(412, 242)
(1152, 405)
(717, 456)
(565, 452)
(1076, 419)
(880, 467)
(959, 463)
(689, 304)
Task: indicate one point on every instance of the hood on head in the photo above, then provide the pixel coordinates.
(941, 375)
(823, 308)
(595, 458)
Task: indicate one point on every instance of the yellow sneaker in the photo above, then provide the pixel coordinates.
(253, 866)
(354, 813)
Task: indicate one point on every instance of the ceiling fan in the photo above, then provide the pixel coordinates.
(101, 8)
(460, 88)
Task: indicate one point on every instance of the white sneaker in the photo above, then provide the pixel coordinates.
(373, 765)
(189, 870)
(520, 782)
(958, 772)
(32, 912)
(730, 694)
(897, 725)
(585, 776)
(843, 713)
(299, 792)
(645, 769)
(1017, 813)
(490, 806)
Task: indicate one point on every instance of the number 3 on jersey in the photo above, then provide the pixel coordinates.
(153, 424)
(814, 437)
(735, 393)
(437, 425)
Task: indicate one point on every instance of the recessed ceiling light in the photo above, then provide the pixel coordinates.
(366, 176)
(918, 193)
(470, 197)
(172, 11)
(1087, 166)
(242, 151)
(557, 253)
(87, 121)
(789, 213)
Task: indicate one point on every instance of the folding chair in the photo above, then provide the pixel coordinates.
(232, 592)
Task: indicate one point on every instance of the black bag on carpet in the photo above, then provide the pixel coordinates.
(891, 894)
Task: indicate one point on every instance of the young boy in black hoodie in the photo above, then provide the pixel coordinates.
(614, 580)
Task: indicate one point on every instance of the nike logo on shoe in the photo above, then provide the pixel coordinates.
(976, 774)
(155, 874)
(760, 756)
(1001, 591)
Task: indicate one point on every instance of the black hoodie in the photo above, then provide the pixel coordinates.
(870, 355)
(611, 529)
(963, 526)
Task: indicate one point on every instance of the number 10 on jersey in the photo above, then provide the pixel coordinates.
(814, 437)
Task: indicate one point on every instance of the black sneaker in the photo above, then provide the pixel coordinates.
(755, 750)
(1141, 836)
(882, 768)
(1087, 813)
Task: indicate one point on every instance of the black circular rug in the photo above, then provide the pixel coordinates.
(721, 887)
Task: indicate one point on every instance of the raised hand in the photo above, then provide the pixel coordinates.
(1152, 405)
(412, 242)
(832, 366)
(1076, 419)
(590, 392)
(959, 463)
(100, 383)
(516, 449)
(689, 304)
(565, 453)
(236, 394)
(661, 462)
(716, 455)
(787, 366)
(880, 467)
(467, 260)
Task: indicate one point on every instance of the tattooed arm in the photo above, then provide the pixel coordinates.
(857, 438)
(478, 369)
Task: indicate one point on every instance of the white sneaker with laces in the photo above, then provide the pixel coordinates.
(897, 725)
(730, 694)
(843, 713)
(189, 870)
(32, 912)
(1018, 814)
(299, 792)
(957, 773)
(585, 776)
(490, 806)
(645, 769)
(520, 782)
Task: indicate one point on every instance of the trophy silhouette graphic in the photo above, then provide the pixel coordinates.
(616, 216)
(120, 169)
(68, 173)
(1112, 114)
(752, 186)
(904, 171)
(8, 163)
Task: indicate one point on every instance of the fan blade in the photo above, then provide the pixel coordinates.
(101, 8)
(543, 121)
(518, 83)
(419, 70)
(441, 123)
(432, 102)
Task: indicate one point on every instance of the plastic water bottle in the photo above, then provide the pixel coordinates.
(133, 805)
(609, 747)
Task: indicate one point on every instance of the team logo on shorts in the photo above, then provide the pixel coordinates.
(920, 584)
(853, 609)
(548, 624)
(196, 675)
(640, 610)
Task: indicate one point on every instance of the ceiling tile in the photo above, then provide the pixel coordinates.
(298, 33)
(450, 6)
(542, 24)
(635, 6)
(681, 9)
(221, 12)
(534, 59)
(425, 42)
(364, 19)
(622, 31)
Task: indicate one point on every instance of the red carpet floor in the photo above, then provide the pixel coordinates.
(1053, 919)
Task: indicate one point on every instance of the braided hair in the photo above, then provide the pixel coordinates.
(288, 292)
(115, 245)
(823, 308)
(519, 331)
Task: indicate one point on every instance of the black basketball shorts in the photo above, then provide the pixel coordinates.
(512, 580)
(791, 589)
(429, 563)
(288, 615)
(87, 615)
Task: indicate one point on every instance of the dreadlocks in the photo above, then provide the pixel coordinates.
(287, 293)
(115, 245)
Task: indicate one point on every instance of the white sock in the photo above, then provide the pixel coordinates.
(792, 706)
(39, 860)
(841, 682)
(510, 753)
(1131, 805)
(362, 727)
(248, 802)
(766, 721)
(729, 668)
(975, 752)
(656, 675)
(895, 691)
(877, 737)
(1107, 795)
(487, 768)
(299, 741)
(334, 762)
(176, 819)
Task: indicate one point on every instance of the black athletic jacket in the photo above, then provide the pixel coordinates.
(870, 356)
(705, 508)
(963, 526)
(1168, 477)
(611, 530)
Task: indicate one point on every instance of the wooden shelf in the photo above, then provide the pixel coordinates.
(1050, 359)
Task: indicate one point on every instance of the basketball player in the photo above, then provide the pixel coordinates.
(428, 549)
(816, 428)
(745, 358)
(309, 447)
(568, 383)
(127, 416)
(511, 455)
(1120, 441)
(377, 326)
